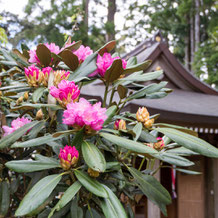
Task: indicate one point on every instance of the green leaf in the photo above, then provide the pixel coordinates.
(92, 213)
(156, 95)
(44, 55)
(38, 194)
(25, 166)
(180, 128)
(91, 184)
(75, 210)
(174, 159)
(4, 198)
(152, 189)
(114, 71)
(137, 130)
(26, 106)
(110, 113)
(37, 94)
(111, 206)
(36, 141)
(131, 61)
(147, 137)
(181, 151)
(10, 139)
(141, 66)
(70, 59)
(190, 142)
(93, 157)
(147, 90)
(129, 144)
(67, 197)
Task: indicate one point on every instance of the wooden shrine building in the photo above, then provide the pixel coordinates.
(192, 104)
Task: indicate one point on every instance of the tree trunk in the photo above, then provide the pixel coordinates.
(197, 24)
(86, 15)
(192, 40)
(110, 26)
(187, 48)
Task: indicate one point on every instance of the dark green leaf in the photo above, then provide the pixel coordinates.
(37, 94)
(70, 59)
(93, 157)
(107, 47)
(190, 142)
(38, 194)
(44, 55)
(91, 184)
(122, 91)
(110, 113)
(141, 66)
(92, 213)
(4, 198)
(137, 130)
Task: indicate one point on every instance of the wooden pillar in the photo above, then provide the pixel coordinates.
(153, 210)
(215, 168)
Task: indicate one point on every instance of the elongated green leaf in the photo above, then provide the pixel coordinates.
(190, 142)
(157, 95)
(152, 189)
(174, 159)
(147, 137)
(90, 184)
(67, 197)
(141, 66)
(110, 113)
(38, 194)
(128, 144)
(4, 198)
(137, 130)
(93, 157)
(37, 94)
(180, 128)
(190, 172)
(38, 106)
(36, 142)
(10, 139)
(25, 166)
(181, 151)
(131, 61)
(92, 213)
(75, 210)
(113, 204)
(147, 90)
(35, 130)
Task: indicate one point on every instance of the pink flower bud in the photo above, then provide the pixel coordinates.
(60, 75)
(120, 124)
(68, 157)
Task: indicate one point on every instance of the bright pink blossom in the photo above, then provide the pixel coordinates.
(160, 141)
(60, 75)
(68, 156)
(104, 62)
(33, 56)
(82, 53)
(46, 70)
(66, 92)
(15, 124)
(32, 71)
(82, 113)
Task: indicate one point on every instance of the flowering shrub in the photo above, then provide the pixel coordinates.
(62, 154)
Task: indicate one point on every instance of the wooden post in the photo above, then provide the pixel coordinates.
(153, 210)
(215, 161)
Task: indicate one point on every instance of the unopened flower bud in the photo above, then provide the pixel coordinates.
(149, 123)
(142, 114)
(93, 173)
(0, 93)
(120, 124)
(68, 157)
(19, 100)
(60, 75)
(39, 115)
(159, 145)
(26, 96)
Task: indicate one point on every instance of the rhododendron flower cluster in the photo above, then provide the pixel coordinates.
(33, 56)
(143, 116)
(104, 62)
(36, 77)
(82, 53)
(60, 75)
(159, 145)
(82, 113)
(68, 157)
(66, 92)
(15, 124)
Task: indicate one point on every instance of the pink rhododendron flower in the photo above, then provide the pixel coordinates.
(60, 75)
(160, 141)
(36, 77)
(15, 124)
(66, 92)
(104, 62)
(82, 53)
(82, 113)
(68, 157)
(33, 56)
